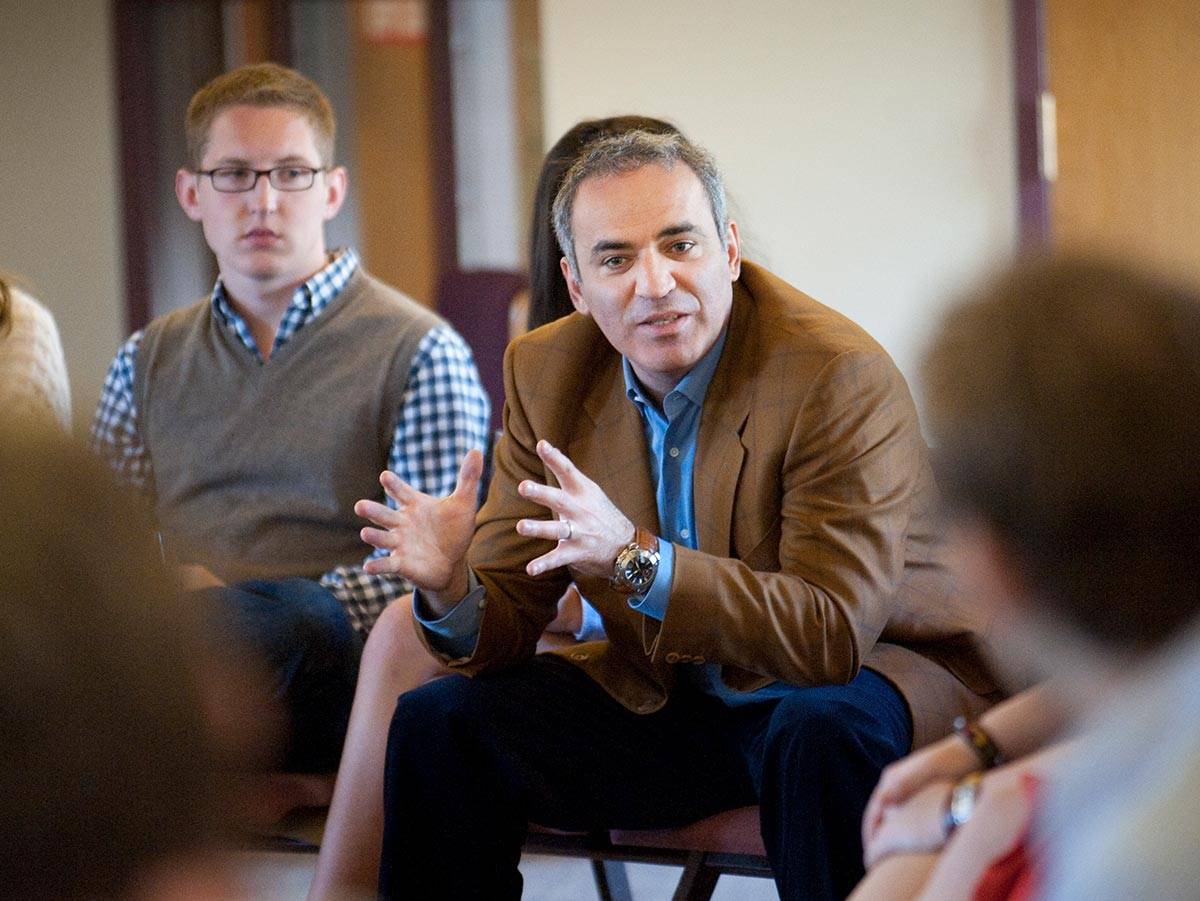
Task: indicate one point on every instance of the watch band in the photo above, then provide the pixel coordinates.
(980, 742)
(646, 539)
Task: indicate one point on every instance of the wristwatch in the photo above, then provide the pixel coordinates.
(637, 563)
(980, 741)
(962, 801)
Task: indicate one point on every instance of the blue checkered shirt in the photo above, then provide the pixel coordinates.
(443, 414)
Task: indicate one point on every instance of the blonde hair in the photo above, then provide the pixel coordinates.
(264, 85)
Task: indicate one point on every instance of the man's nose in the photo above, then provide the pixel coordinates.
(654, 278)
(263, 196)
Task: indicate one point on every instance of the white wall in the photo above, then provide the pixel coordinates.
(59, 216)
(867, 145)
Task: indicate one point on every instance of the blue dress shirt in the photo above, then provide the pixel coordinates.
(671, 435)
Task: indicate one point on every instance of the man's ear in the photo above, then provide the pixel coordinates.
(573, 287)
(187, 192)
(733, 250)
(337, 182)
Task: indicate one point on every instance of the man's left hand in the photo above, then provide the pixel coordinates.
(589, 529)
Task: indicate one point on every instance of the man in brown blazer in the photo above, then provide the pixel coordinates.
(736, 479)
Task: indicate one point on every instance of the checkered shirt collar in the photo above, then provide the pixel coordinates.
(309, 301)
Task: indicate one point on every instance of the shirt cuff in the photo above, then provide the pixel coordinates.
(456, 633)
(654, 602)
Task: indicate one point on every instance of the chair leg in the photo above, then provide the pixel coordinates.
(698, 880)
(612, 882)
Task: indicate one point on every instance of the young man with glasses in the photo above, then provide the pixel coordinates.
(254, 418)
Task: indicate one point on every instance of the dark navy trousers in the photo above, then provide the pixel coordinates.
(471, 761)
(301, 634)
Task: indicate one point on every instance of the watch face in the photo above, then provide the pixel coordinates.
(636, 568)
(641, 570)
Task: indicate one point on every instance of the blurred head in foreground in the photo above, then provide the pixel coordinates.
(1062, 402)
(104, 766)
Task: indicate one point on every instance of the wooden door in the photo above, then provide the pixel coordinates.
(1126, 78)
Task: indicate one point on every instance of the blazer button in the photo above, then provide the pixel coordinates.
(698, 660)
(672, 657)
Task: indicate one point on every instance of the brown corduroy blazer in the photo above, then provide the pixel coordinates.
(818, 551)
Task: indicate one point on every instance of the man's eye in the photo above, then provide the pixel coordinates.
(234, 173)
(612, 262)
(291, 175)
(682, 246)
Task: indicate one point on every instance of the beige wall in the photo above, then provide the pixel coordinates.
(867, 144)
(59, 218)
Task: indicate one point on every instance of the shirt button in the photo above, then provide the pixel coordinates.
(685, 534)
(672, 657)
(674, 452)
(482, 603)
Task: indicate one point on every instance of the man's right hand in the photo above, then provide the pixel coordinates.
(427, 538)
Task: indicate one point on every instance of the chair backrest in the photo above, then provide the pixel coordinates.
(476, 304)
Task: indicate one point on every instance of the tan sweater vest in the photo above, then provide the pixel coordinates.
(257, 466)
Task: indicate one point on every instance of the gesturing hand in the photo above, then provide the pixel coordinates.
(589, 529)
(427, 538)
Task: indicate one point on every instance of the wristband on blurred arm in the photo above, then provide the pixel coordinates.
(980, 741)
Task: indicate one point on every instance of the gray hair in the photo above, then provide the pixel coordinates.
(626, 153)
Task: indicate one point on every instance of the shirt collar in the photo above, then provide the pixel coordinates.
(693, 386)
(310, 298)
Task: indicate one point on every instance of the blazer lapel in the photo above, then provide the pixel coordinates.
(719, 451)
(611, 448)
(613, 452)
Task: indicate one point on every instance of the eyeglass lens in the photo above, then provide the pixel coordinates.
(236, 179)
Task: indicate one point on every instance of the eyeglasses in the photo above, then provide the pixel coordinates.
(239, 179)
